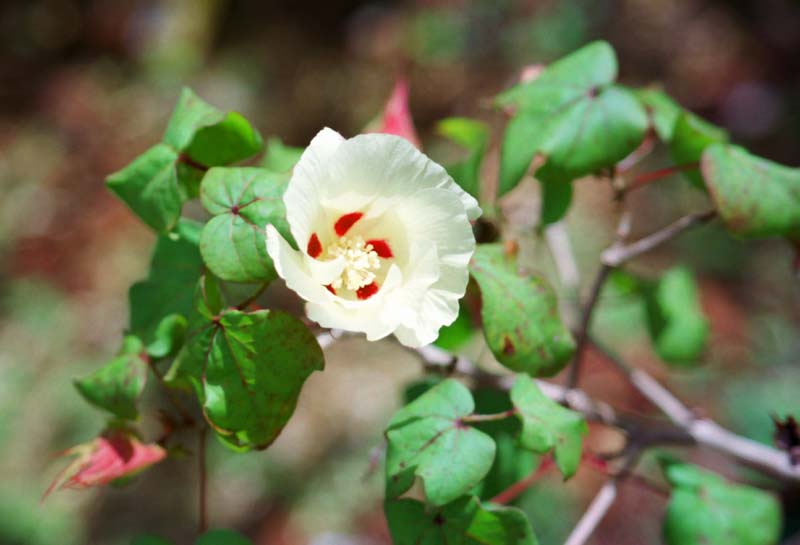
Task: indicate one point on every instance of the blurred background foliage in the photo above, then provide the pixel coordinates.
(88, 84)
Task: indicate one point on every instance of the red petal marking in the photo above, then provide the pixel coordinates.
(314, 248)
(344, 223)
(381, 248)
(330, 289)
(365, 292)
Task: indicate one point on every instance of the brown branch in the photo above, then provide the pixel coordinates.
(643, 179)
(620, 252)
(585, 325)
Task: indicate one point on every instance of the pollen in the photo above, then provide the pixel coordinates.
(361, 262)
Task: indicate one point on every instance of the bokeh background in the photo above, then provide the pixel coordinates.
(86, 85)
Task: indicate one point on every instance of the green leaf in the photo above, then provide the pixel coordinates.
(556, 199)
(246, 368)
(574, 117)
(169, 287)
(428, 439)
(690, 137)
(677, 325)
(117, 385)
(663, 110)
(473, 136)
(754, 197)
(463, 522)
(222, 537)
(457, 334)
(168, 337)
(547, 425)
(209, 136)
(149, 186)
(520, 315)
(279, 157)
(242, 202)
(704, 509)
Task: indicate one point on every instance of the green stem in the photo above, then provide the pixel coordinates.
(472, 418)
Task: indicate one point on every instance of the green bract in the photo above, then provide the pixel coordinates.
(463, 522)
(242, 202)
(706, 510)
(246, 368)
(520, 315)
(547, 425)
(428, 439)
(117, 385)
(754, 197)
(574, 117)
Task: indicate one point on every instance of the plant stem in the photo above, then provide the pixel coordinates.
(488, 417)
(186, 160)
(202, 496)
(512, 492)
(585, 325)
(644, 179)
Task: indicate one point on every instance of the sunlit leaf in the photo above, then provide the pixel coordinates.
(704, 509)
(246, 368)
(427, 439)
(755, 197)
(520, 315)
(149, 186)
(463, 522)
(574, 117)
(242, 202)
(546, 425)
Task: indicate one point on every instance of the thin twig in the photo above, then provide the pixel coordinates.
(620, 252)
(601, 503)
(473, 418)
(512, 492)
(186, 160)
(202, 495)
(585, 325)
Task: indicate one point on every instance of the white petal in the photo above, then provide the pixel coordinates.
(303, 210)
(370, 166)
(291, 266)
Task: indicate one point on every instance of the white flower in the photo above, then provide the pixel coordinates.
(384, 237)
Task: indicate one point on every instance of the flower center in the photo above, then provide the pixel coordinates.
(361, 262)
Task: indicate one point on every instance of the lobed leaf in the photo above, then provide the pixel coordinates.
(546, 425)
(242, 201)
(754, 197)
(575, 118)
(704, 509)
(246, 368)
(662, 109)
(427, 438)
(465, 521)
(520, 315)
(690, 137)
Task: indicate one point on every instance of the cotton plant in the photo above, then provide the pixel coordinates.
(378, 240)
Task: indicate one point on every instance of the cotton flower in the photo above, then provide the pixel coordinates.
(384, 237)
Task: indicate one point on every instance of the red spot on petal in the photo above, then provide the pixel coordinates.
(314, 248)
(330, 289)
(365, 292)
(381, 248)
(344, 223)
